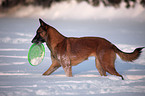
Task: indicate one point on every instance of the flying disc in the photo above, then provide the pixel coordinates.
(36, 54)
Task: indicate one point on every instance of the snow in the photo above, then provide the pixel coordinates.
(19, 78)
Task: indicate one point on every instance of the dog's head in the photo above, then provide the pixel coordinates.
(41, 33)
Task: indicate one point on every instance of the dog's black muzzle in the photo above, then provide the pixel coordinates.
(38, 39)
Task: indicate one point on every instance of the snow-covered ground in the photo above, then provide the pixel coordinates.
(19, 78)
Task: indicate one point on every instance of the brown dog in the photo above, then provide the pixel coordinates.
(68, 52)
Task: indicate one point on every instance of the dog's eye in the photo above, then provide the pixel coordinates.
(39, 32)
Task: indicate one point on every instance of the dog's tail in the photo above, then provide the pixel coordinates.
(128, 56)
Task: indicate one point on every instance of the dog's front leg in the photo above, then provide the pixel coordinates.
(55, 65)
(68, 71)
(65, 63)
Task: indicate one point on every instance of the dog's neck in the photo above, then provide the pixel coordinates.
(54, 38)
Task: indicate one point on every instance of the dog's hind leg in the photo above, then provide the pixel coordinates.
(108, 61)
(113, 71)
(99, 67)
(54, 66)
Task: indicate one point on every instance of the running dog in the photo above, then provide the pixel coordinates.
(69, 51)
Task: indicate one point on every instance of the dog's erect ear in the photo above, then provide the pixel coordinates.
(43, 24)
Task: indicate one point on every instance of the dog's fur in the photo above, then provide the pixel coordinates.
(68, 52)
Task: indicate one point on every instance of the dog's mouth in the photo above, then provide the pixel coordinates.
(38, 41)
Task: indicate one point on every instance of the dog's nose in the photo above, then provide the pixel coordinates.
(34, 41)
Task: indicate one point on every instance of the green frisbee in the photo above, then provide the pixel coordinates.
(36, 54)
